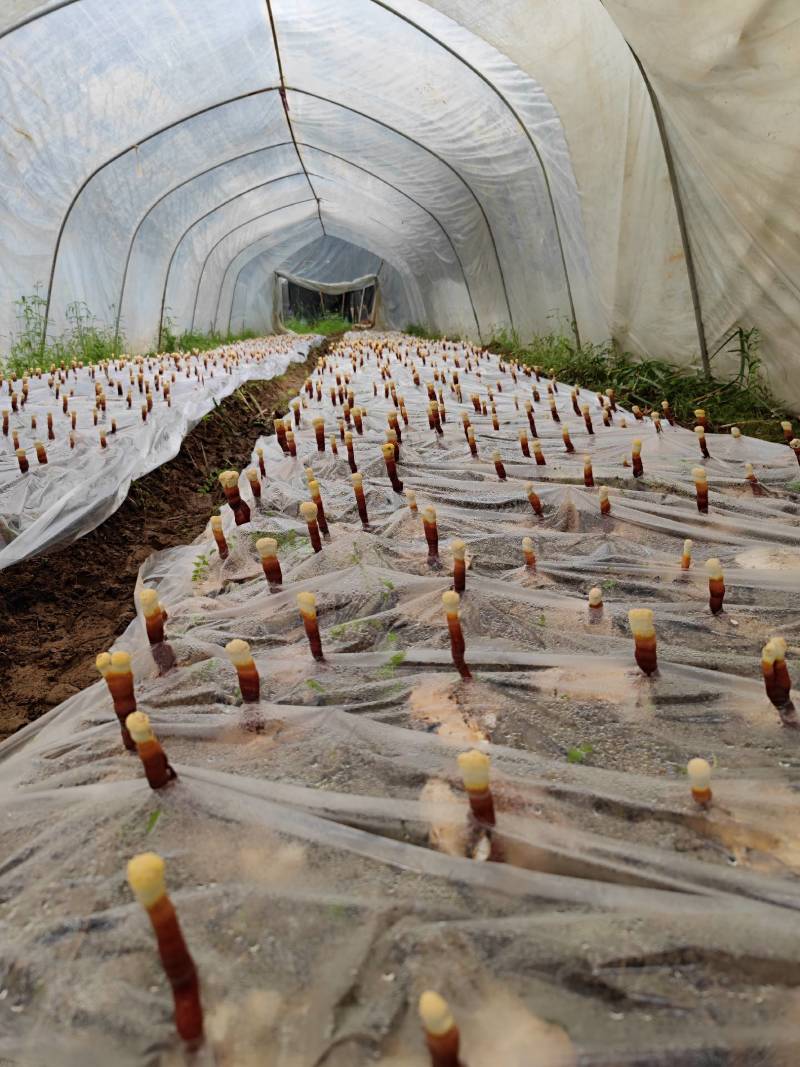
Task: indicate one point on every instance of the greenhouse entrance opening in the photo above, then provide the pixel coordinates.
(309, 303)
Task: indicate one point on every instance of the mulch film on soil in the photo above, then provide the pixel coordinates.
(59, 610)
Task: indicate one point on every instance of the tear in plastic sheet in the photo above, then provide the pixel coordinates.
(315, 842)
(78, 488)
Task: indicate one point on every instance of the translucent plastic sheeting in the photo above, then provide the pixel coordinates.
(435, 137)
(317, 843)
(330, 288)
(725, 78)
(78, 488)
(329, 260)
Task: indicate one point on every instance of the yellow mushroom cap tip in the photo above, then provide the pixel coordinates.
(496, 456)
(795, 442)
(699, 771)
(603, 492)
(429, 513)
(714, 568)
(699, 474)
(687, 547)
(595, 596)
(148, 598)
(641, 622)
(387, 449)
(786, 425)
(227, 479)
(474, 767)
(527, 544)
(251, 474)
(306, 601)
(435, 1014)
(146, 878)
(103, 662)
(216, 522)
(458, 548)
(451, 600)
(735, 431)
(700, 431)
(120, 661)
(139, 726)
(637, 444)
(267, 546)
(238, 652)
(777, 646)
(309, 511)
(357, 478)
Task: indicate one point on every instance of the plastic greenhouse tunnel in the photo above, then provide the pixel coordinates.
(399, 533)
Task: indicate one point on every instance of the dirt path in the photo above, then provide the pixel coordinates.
(60, 610)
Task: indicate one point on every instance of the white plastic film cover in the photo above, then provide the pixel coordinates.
(79, 485)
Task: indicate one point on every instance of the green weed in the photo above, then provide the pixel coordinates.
(325, 325)
(387, 671)
(84, 340)
(202, 342)
(285, 538)
(200, 567)
(580, 753)
(744, 400)
(151, 822)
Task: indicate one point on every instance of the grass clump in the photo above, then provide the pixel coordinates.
(84, 340)
(202, 342)
(326, 325)
(744, 400)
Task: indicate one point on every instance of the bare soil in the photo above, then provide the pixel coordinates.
(61, 609)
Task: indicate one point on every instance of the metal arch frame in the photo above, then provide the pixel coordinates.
(683, 227)
(154, 205)
(357, 166)
(247, 264)
(236, 282)
(266, 148)
(224, 237)
(239, 226)
(501, 96)
(199, 219)
(34, 16)
(245, 96)
(233, 292)
(282, 90)
(402, 192)
(441, 159)
(285, 104)
(113, 159)
(655, 102)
